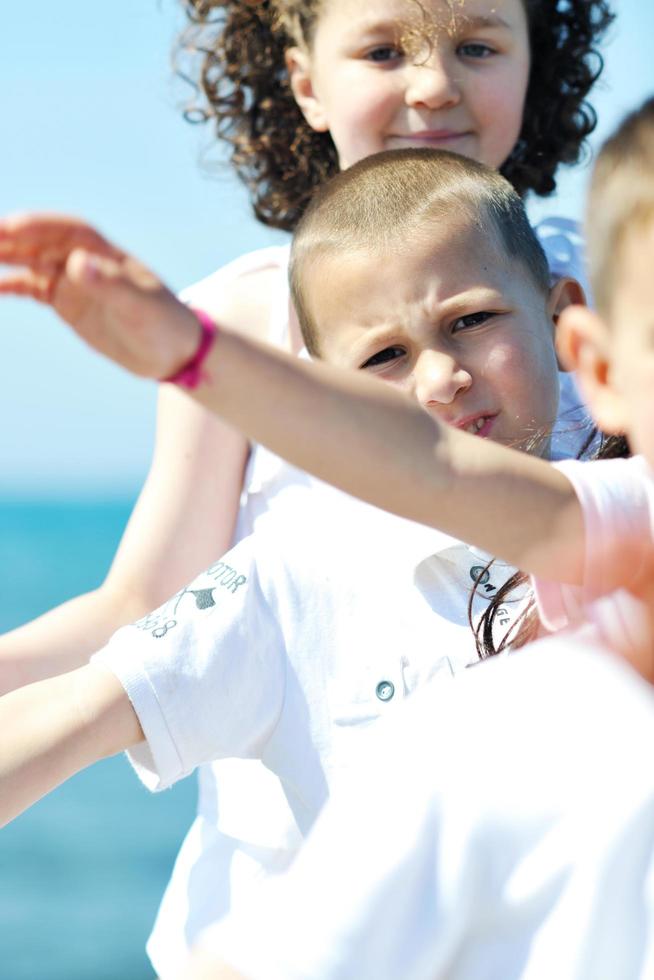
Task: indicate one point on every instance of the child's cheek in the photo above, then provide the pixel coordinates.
(501, 372)
(362, 128)
(375, 110)
(524, 379)
(507, 365)
(499, 112)
(641, 414)
(632, 378)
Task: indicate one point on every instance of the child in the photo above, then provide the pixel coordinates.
(529, 853)
(227, 659)
(474, 81)
(453, 325)
(244, 49)
(283, 157)
(359, 222)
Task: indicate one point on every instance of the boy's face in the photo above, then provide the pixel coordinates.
(631, 340)
(452, 321)
(615, 365)
(614, 360)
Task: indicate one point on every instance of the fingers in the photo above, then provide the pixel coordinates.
(84, 273)
(84, 270)
(34, 285)
(37, 239)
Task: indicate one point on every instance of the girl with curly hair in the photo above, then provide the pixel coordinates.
(300, 89)
(255, 64)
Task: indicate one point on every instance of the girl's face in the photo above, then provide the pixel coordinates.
(460, 85)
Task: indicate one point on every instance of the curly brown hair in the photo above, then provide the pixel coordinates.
(233, 53)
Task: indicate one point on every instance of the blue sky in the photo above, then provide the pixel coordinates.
(92, 125)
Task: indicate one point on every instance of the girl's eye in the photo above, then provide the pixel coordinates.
(475, 49)
(384, 53)
(384, 356)
(472, 320)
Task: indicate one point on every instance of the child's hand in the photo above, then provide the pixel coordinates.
(117, 305)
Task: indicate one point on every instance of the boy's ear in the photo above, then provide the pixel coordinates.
(298, 64)
(582, 343)
(565, 292)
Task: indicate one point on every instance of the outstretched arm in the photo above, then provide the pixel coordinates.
(186, 511)
(373, 442)
(365, 438)
(55, 728)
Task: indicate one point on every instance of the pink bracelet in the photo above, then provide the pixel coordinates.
(190, 375)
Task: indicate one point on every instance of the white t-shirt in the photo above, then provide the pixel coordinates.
(242, 830)
(290, 645)
(502, 828)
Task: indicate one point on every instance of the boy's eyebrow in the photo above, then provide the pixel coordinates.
(468, 300)
(373, 337)
(464, 301)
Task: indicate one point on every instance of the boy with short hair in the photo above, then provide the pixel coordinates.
(528, 853)
(278, 657)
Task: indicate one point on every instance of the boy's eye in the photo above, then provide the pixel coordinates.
(384, 356)
(384, 53)
(475, 49)
(472, 320)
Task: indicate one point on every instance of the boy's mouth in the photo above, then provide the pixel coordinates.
(476, 425)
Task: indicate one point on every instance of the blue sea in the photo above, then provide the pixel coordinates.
(81, 873)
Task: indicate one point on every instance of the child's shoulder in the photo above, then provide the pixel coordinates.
(249, 294)
(272, 258)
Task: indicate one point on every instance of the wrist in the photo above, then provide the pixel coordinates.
(191, 372)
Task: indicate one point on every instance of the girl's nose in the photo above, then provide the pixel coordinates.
(432, 84)
(438, 379)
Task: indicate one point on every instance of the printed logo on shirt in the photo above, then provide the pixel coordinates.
(162, 620)
(226, 576)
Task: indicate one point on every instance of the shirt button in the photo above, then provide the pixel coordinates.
(385, 690)
(480, 574)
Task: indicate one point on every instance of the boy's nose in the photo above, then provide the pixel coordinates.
(432, 84)
(438, 379)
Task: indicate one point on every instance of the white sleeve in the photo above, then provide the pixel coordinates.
(205, 672)
(617, 500)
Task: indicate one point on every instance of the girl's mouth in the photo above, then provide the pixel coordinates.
(434, 136)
